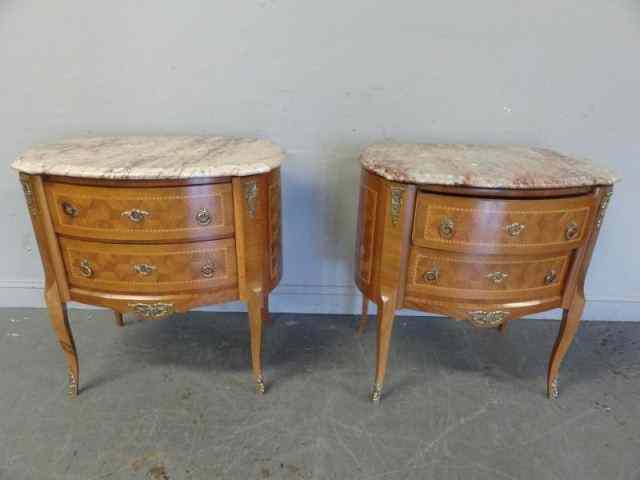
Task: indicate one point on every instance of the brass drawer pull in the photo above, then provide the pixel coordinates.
(514, 229)
(135, 215)
(497, 277)
(85, 269)
(482, 319)
(432, 275)
(144, 269)
(69, 209)
(572, 231)
(447, 228)
(208, 270)
(203, 217)
(550, 277)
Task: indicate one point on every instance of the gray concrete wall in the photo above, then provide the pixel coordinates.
(324, 79)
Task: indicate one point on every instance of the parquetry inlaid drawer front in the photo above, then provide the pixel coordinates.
(150, 268)
(501, 226)
(142, 214)
(454, 275)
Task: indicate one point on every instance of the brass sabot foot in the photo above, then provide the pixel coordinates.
(260, 385)
(73, 386)
(376, 394)
(553, 389)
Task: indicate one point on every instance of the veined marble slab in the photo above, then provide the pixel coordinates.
(153, 157)
(482, 166)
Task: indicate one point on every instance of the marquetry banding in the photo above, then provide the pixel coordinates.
(178, 229)
(161, 197)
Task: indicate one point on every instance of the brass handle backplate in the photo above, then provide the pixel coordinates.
(432, 275)
(144, 269)
(69, 209)
(135, 215)
(514, 229)
(572, 231)
(208, 270)
(203, 217)
(85, 269)
(447, 228)
(550, 277)
(497, 277)
(482, 319)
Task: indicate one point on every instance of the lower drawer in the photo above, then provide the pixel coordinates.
(435, 273)
(165, 268)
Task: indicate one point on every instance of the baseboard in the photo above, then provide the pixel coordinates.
(327, 299)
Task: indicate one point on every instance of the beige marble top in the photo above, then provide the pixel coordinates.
(482, 166)
(166, 157)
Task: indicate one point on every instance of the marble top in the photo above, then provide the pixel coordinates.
(157, 157)
(482, 166)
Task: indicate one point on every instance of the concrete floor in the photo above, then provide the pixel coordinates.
(174, 399)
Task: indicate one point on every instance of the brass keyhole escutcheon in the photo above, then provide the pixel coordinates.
(69, 209)
(550, 277)
(135, 215)
(497, 277)
(208, 270)
(432, 275)
(144, 269)
(572, 230)
(203, 217)
(85, 269)
(515, 229)
(447, 228)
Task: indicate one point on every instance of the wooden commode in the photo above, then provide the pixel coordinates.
(156, 225)
(486, 234)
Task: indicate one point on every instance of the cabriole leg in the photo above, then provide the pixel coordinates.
(256, 309)
(364, 318)
(119, 319)
(568, 329)
(266, 316)
(386, 314)
(59, 320)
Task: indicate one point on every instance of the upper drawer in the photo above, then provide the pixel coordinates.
(142, 214)
(464, 224)
(168, 268)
